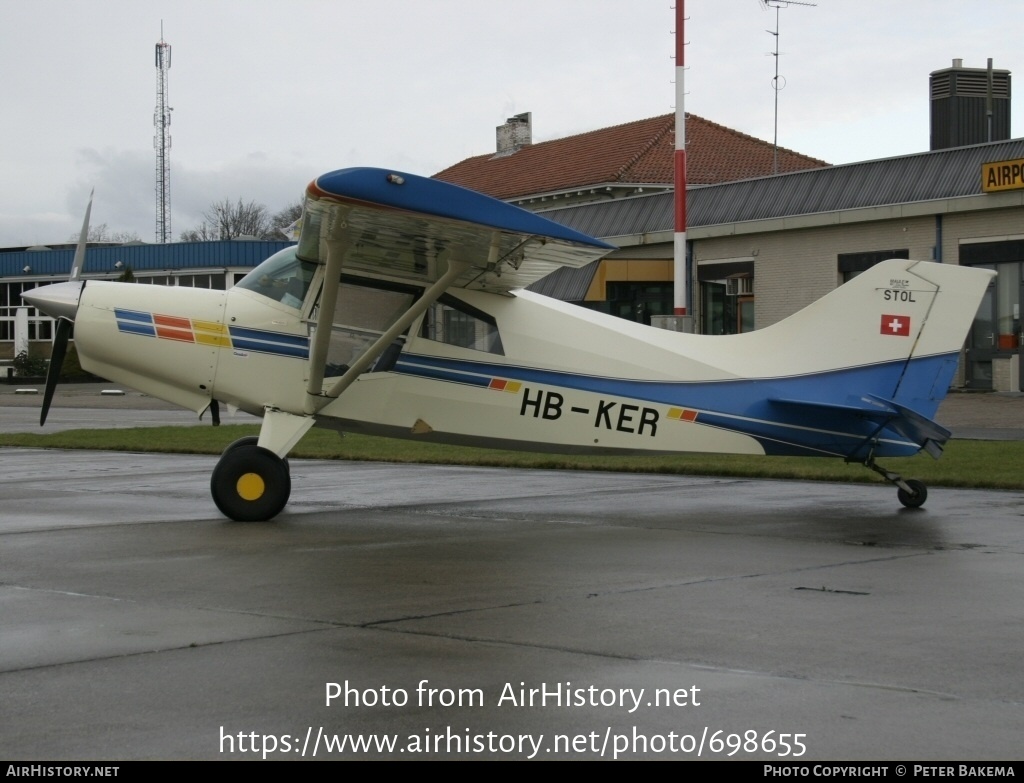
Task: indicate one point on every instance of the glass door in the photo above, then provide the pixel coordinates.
(995, 336)
(981, 342)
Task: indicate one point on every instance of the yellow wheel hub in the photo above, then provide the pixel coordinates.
(251, 486)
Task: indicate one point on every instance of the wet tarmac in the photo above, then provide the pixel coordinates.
(457, 612)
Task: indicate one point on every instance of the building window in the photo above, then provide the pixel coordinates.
(40, 327)
(852, 264)
(726, 297)
(996, 333)
(640, 300)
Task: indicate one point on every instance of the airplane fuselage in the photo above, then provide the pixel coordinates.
(561, 378)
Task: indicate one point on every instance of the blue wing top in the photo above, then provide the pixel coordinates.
(399, 224)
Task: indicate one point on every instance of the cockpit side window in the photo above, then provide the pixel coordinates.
(364, 310)
(282, 277)
(453, 322)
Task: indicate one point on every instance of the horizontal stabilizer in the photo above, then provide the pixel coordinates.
(888, 414)
(929, 435)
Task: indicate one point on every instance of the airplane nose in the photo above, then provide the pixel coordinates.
(58, 300)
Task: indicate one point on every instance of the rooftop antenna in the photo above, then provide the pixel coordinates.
(162, 142)
(776, 84)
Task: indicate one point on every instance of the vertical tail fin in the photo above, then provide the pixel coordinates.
(895, 333)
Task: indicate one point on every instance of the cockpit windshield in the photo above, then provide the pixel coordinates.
(282, 277)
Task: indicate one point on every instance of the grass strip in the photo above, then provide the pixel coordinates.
(966, 463)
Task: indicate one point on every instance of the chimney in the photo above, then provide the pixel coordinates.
(517, 132)
(969, 105)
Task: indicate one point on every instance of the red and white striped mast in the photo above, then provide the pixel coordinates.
(679, 265)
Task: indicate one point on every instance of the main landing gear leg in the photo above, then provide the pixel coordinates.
(911, 492)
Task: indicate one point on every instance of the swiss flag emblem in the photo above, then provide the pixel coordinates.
(896, 324)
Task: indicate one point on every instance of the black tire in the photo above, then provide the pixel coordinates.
(250, 484)
(915, 499)
(251, 440)
(248, 440)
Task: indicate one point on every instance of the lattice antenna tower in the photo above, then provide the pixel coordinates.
(776, 84)
(162, 142)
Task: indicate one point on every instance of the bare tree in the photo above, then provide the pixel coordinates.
(283, 219)
(228, 220)
(102, 233)
(201, 233)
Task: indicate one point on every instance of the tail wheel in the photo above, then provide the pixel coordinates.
(250, 484)
(917, 496)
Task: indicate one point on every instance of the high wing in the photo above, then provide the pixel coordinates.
(389, 223)
(401, 227)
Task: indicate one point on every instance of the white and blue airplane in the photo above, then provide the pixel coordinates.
(403, 312)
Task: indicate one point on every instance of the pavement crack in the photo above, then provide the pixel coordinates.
(452, 613)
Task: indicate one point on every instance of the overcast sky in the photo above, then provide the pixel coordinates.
(269, 94)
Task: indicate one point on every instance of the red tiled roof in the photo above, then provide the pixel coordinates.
(638, 152)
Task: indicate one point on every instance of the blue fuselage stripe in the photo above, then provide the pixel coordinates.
(267, 347)
(264, 336)
(745, 405)
(137, 328)
(442, 373)
(133, 315)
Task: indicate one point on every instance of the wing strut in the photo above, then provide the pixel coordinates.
(322, 336)
(315, 401)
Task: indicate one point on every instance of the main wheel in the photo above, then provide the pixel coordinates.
(915, 499)
(250, 484)
(248, 440)
(251, 440)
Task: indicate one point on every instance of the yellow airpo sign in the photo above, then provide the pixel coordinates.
(1003, 175)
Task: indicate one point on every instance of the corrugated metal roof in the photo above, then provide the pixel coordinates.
(569, 285)
(926, 176)
(620, 217)
(176, 255)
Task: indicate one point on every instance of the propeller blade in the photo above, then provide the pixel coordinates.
(83, 238)
(61, 301)
(60, 348)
